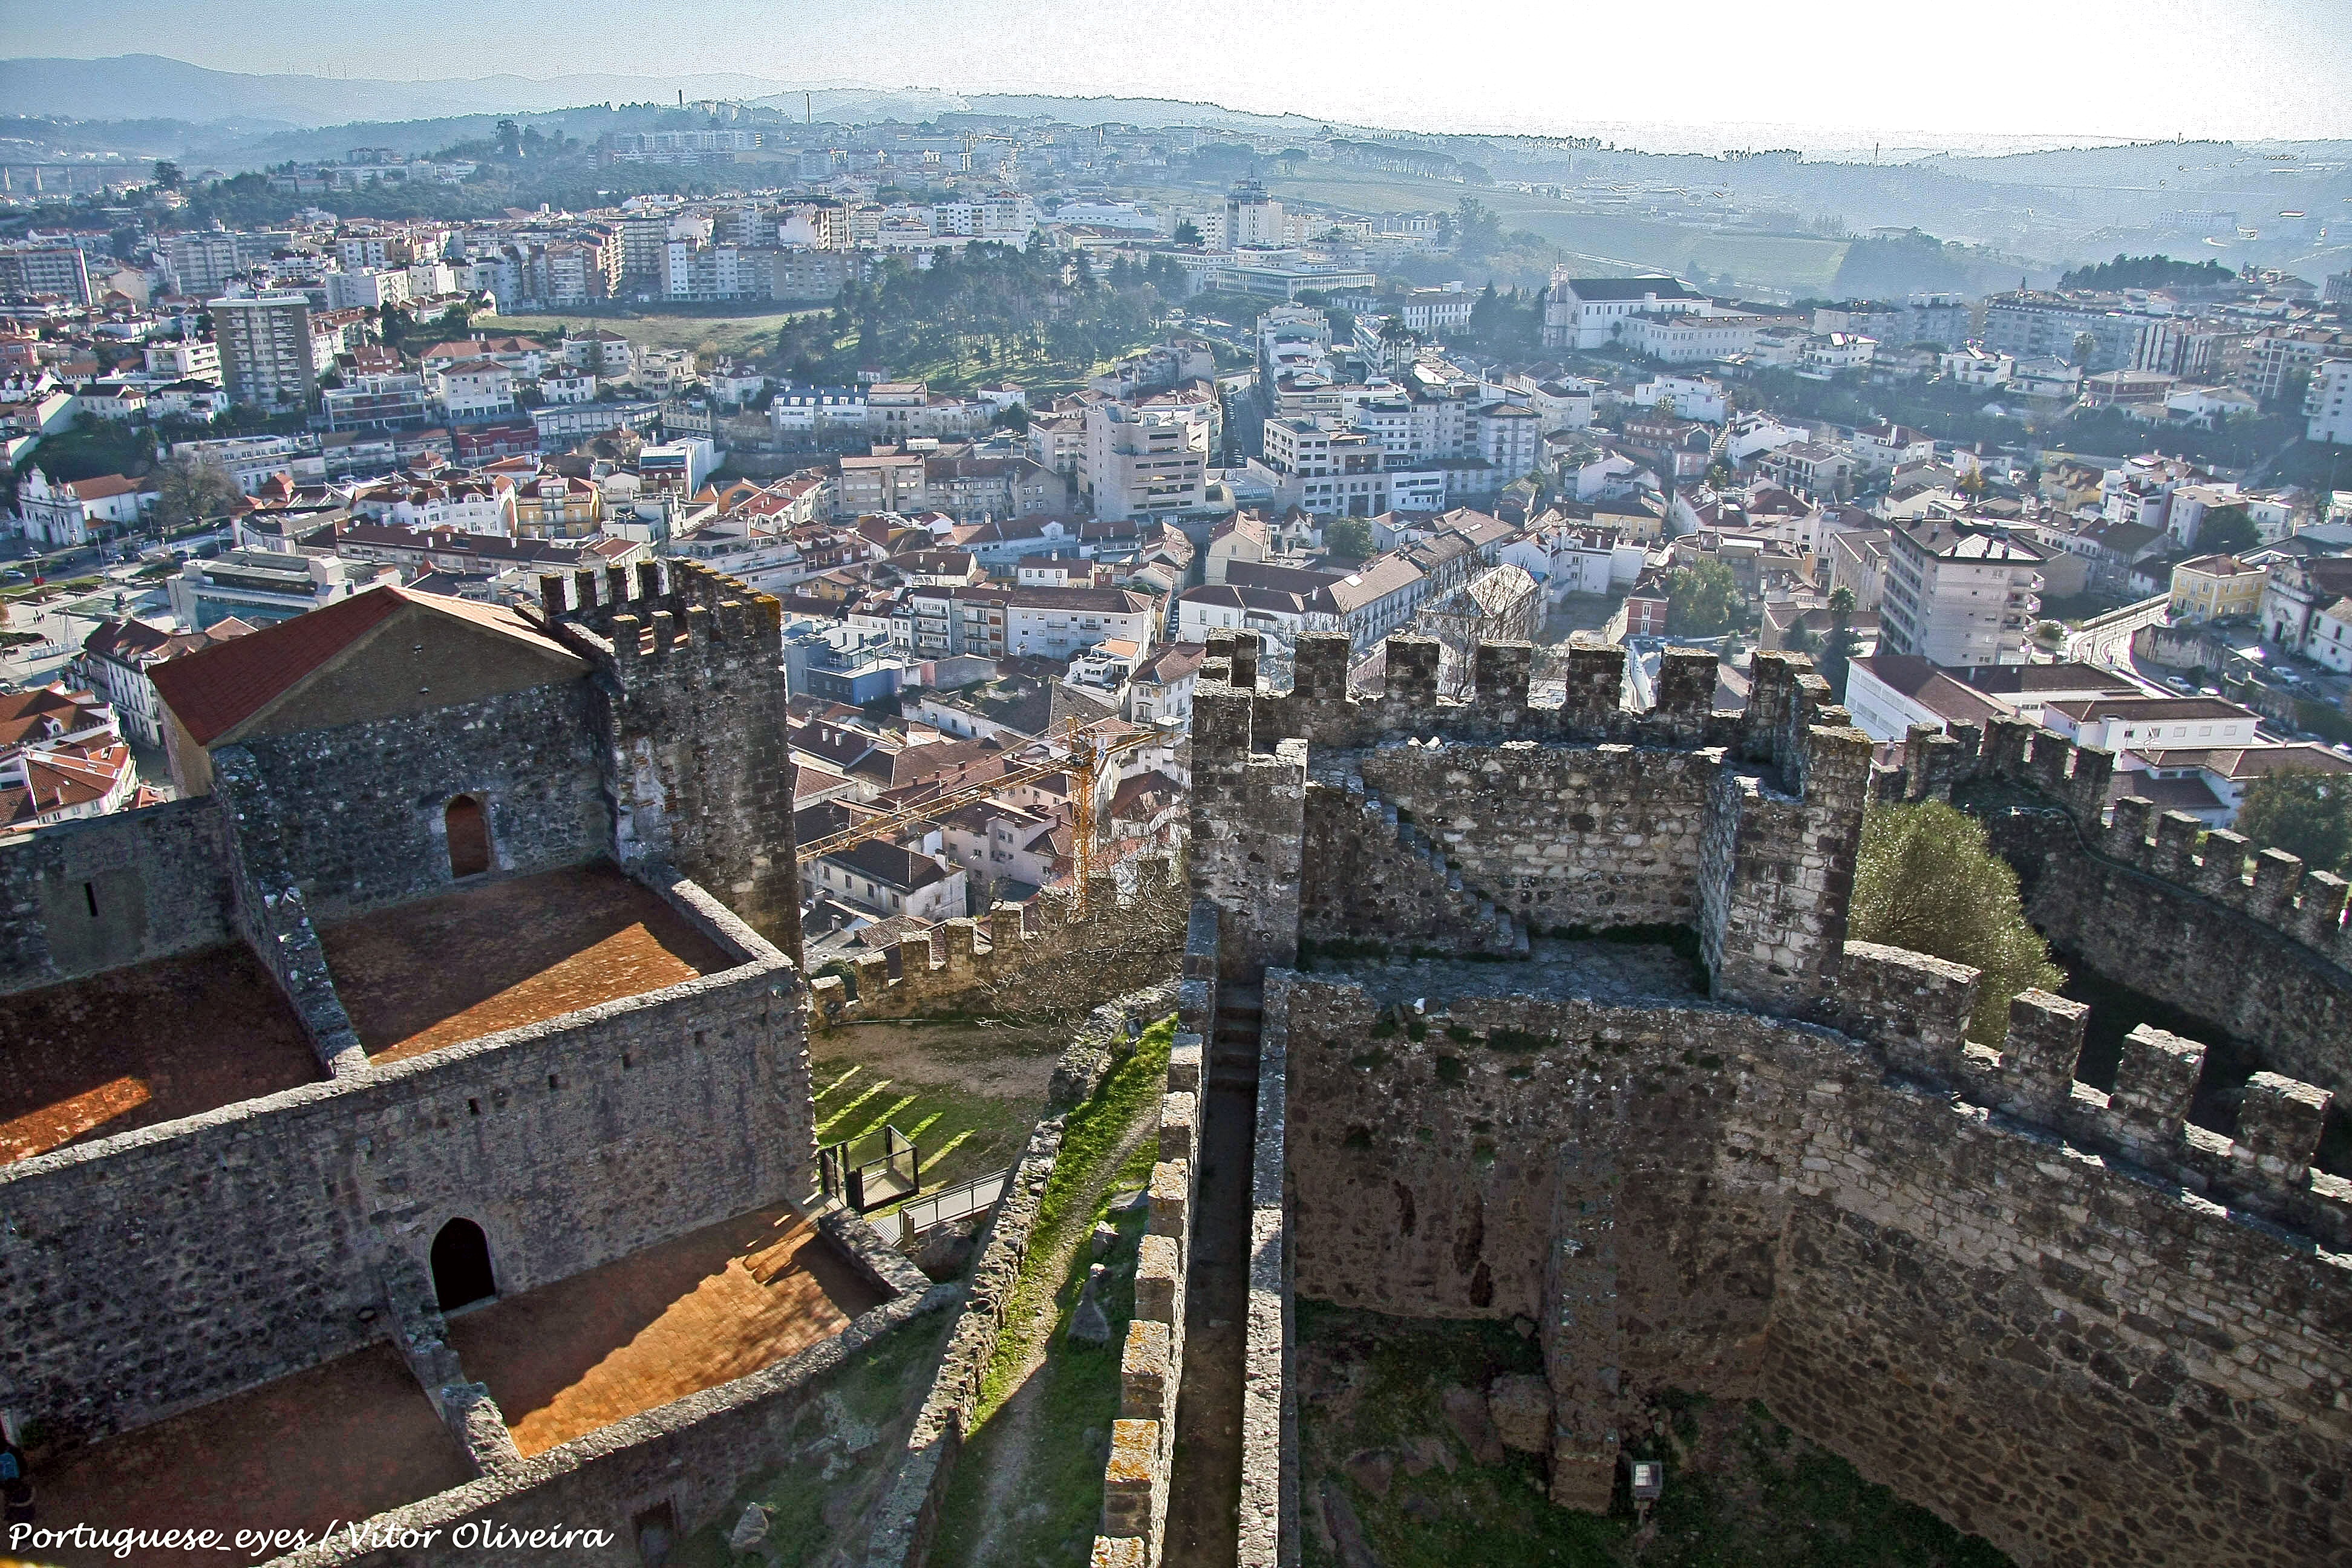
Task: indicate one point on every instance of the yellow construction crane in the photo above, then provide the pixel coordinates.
(1089, 750)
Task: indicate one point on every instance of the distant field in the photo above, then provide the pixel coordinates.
(1620, 244)
(753, 333)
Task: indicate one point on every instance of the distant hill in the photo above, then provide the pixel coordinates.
(151, 87)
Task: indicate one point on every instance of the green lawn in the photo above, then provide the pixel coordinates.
(1029, 1485)
(748, 335)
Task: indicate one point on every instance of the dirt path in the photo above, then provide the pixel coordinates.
(1014, 1421)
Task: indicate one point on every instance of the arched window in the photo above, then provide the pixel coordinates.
(461, 1266)
(469, 828)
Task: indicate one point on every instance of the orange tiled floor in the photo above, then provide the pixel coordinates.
(134, 1047)
(464, 965)
(340, 1441)
(668, 1321)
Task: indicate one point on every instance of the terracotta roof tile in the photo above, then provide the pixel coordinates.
(214, 689)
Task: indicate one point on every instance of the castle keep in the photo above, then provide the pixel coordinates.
(461, 973)
(2063, 1317)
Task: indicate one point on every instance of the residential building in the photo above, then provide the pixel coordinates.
(2142, 722)
(2216, 588)
(1960, 592)
(472, 390)
(1144, 462)
(2283, 352)
(117, 656)
(34, 269)
(266, 350)
(2328, 405)
(1591, 312)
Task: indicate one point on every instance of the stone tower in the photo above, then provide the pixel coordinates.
(691, 727)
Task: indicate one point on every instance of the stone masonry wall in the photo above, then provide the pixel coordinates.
(691, 723)
(115, 891)
(144, 1274)
(2265, 957)
(690, 1457)
(370, 832)
(2002, 1322)
(1556, 836)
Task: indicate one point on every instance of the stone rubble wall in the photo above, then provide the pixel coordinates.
(963, 965)
(686, 1460)
(158, 877)
(149, 1273)
(901, 1524)
(1151, 1363)
(274, 915)
(1992, 1315)
(1268, 1516)
(2266, 958)
(361, 817)
(684, 654)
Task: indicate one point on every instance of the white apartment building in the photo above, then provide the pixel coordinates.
(475, 389)
(188, 359)
(1510, 437)
(1055, 622)
(267, 355)
(1143, 462)
(1684, 396)
(2328, 406)
(1960, 592)
(1592, 312)
(366, 290)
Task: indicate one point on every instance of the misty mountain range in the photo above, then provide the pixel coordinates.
(149, 87)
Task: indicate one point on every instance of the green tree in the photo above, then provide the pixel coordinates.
(1348, 538)
(1927, 879)
(1838, 647)
(2227, 531)
(1188, 233)
(2308, 814)
(1704, 600)
(167, 174)
(1477, 232)
(192, 487)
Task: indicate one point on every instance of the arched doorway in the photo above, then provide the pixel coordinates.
(469, 828)
(461, 1266)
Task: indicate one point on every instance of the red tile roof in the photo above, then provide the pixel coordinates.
(214, 689)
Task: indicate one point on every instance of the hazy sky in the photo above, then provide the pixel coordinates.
(2039, 67)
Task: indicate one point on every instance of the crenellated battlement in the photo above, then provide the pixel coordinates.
(961, 963)
(2305, 906)
(659, 617)
(1914, 1009)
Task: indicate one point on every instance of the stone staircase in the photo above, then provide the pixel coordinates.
(1232, 1053)
(1492, 927)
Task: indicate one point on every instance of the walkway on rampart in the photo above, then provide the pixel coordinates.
(1206, 1485)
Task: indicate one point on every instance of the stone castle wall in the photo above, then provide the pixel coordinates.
(690, 722)
(1994, 1317)
(370, 830)
(147, 1273)
(2265, 957)
(1524, 818)
(86, 897)
(967, 965)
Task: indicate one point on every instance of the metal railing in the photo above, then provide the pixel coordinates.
(870, 1171)
(923, 1215)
